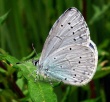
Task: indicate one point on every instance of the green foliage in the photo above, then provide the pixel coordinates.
(39, 91)
(3, 18)
(23, 22)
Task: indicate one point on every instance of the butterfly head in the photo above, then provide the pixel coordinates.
(35, 62)
(39, 67)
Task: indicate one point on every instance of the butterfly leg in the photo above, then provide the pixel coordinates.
(37, 75)
(49, 79)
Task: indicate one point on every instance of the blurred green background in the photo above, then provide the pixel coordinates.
(29, 21)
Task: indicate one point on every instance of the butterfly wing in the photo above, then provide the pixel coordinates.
(73, 64)
(70, 28)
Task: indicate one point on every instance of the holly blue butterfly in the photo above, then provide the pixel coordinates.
(69, 55)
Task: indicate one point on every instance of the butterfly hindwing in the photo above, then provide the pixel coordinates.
(73, 64)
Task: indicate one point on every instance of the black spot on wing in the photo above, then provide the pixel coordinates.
(65, 78)
(70, 48)
(74, 39)
(73, 33)
(54, 57)
(71, 27)
(91, 46)
(69, 23)
(61, 25)
(79, 62)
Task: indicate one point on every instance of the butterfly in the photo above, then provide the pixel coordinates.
(69, 55)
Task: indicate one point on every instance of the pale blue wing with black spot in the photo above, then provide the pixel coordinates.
(70, 28)
(72, 64)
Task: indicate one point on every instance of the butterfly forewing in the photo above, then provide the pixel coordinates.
(70, 28)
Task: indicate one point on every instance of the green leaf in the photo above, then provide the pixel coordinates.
(2, 70)
(27, 69)
(99, 12)
(101, 73)
(10, 59)
(39, 91)
(3, 18)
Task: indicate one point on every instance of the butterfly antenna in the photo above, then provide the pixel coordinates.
(34, 49)
(34, 61)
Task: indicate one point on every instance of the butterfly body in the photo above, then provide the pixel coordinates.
(69, 55)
